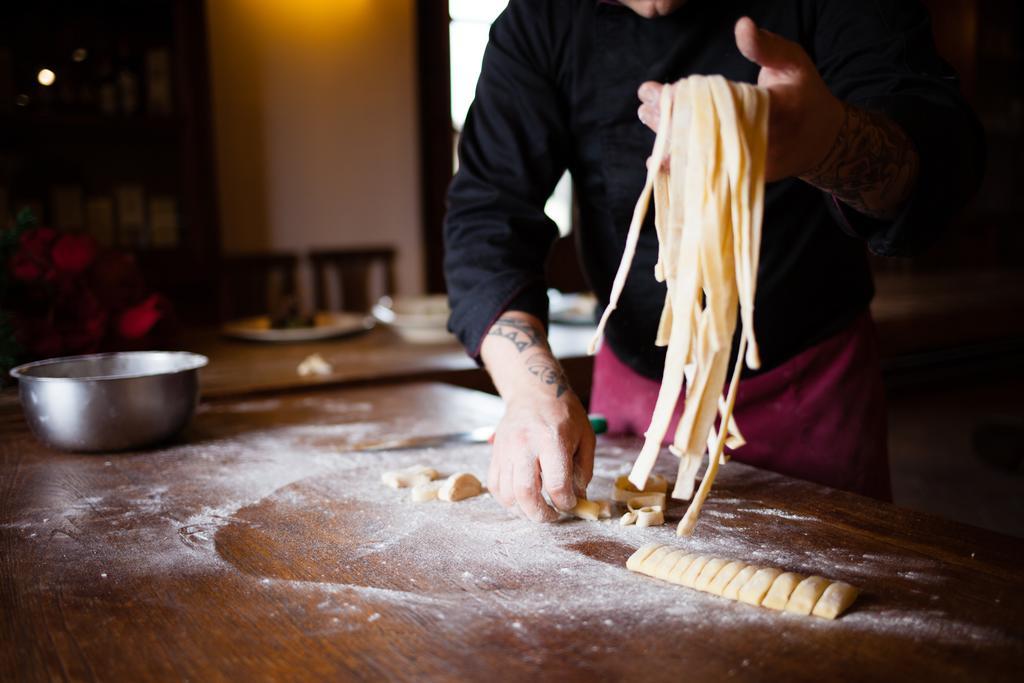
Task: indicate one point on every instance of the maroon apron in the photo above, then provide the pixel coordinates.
(820, 416)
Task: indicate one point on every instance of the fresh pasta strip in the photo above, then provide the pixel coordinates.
(760, 586)
(708, 209)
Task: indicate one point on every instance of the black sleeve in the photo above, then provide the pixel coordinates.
(514, 148)
(879, 55)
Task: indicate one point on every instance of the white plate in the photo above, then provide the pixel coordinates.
(572, 309)
(327, 326)
(416, 319)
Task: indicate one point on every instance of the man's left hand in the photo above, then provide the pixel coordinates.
(804, 116)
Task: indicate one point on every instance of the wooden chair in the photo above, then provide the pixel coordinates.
(362, 274)
(257, 283)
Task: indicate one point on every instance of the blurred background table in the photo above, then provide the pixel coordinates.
(379, 356)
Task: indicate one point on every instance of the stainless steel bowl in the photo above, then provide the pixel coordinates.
(110, 401)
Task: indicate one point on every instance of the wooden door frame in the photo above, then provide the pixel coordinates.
(436, 155)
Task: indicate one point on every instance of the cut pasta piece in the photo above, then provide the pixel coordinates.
(646, 500)
(650, 517)
(782, 588)
(460, 486)
(806, 595)
(409, 477)
(640, 556)
(724, 576)
(587, 509)
(732, 589)
(422, 493)
(624, 491)
(652, 558)
(836, 599)
(708, 573)
(693, 571)
(676, 575)
(666, 564)
(754, 590)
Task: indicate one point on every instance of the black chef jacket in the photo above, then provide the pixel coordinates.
(557, 91)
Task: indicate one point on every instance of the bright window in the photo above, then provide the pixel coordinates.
(467, 33)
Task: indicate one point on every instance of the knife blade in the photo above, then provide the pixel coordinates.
(471, 436)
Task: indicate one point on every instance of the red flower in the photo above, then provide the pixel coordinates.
(36, 242)
(137, 321)
(116, 280)
(32, 260)
(74, 253)
(25, 268)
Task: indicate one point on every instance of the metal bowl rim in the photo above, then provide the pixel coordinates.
(19, 372)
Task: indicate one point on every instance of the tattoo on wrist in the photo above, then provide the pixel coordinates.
(522, 335)
(541, 364)
(547, 370)
(872, 165)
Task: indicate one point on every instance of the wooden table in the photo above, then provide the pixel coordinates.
(259, 547)
(240, 368)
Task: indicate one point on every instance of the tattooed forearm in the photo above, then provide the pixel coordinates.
(532, 347)
(547, 370)
(523, 335)
(872, 166)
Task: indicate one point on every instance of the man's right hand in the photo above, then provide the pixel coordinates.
(544, 443)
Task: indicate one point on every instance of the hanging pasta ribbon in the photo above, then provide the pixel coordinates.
(708, 207)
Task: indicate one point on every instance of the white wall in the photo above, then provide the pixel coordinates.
(315, 122)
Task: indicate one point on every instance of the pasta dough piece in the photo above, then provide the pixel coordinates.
(836, 599)
(665, 566)
(421, 493)
(314, 365)
(676, 575)
(708, 573)
(460, 486)
(723, 577)
(759, 586)
(628, 518)
(649, 517)
(409, 477)
(782, 588)
(640, 556)
(753, 591)
(645, 500)
(654, 555)
(732, 589)
(587, 509)
(806, 595)
(623, 491)
(693, 571)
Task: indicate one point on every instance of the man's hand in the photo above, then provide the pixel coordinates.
(805, 117)
(862, 157)
(544, 443)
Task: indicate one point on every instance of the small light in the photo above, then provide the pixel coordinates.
(22, 100)
(46, 77)
(79, 54)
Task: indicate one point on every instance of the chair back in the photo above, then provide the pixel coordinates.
(257, 283)
(358, 276)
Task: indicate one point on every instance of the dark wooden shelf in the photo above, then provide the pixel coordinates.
(87, 128)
